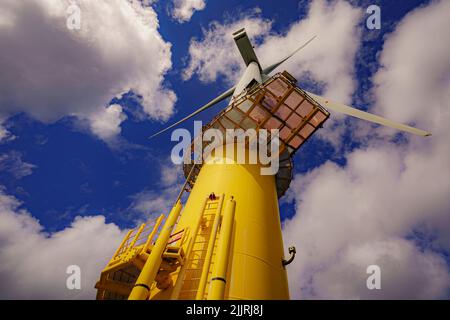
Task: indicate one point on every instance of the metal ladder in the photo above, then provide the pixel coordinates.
(198, 256)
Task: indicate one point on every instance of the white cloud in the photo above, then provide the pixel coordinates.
(5, 135)
(414, 82)
(170, 175)
(404, 269)
(183, 10)
(50, 72)
(216, 54)
(33, 263)
(325, 60)
(12, 163)
(153, 203)
(364, 213)
(384, 192)
(106, 123)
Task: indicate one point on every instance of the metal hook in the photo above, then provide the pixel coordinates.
(292, 252)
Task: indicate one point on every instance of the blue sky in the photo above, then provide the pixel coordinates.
(59, 169)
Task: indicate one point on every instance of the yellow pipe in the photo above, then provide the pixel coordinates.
(152, 234)
(209, 252)
(180, 279)
(218, 278)
(143, 283)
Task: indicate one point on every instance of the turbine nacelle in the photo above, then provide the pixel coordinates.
(252, 76)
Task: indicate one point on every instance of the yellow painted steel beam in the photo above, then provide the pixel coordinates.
(142, 286)
(209, 252)
(219, 274)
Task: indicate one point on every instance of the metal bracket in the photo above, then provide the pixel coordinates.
(292, 252)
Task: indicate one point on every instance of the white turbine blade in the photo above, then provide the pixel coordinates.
(275, 65)
(245, 47)
(366, 116)
(214, 101)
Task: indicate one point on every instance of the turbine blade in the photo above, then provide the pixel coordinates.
(214, 101)
(275, 65)
(366, 115)
(245, 47)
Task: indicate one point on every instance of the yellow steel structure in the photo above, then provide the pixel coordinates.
(246, 255)
(226, 242)
(252, 231)
(151, 267)
(209, 252)
(218, 279)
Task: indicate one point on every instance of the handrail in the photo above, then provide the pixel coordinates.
(138, 233)
(152, 234)
(121, 244)
(148, 273)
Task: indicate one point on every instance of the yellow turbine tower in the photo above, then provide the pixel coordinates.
(226, 241)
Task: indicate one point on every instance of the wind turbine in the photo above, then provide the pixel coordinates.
(226, 242)
(255, 73)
